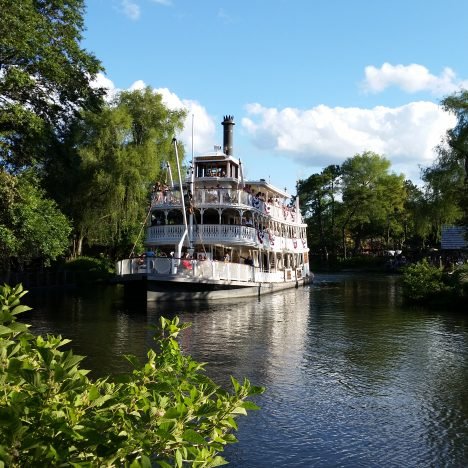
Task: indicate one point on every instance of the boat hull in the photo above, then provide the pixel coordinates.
(180, 289)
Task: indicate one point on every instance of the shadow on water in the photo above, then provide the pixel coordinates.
(354, 377)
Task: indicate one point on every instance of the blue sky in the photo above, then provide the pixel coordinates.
(309, 82)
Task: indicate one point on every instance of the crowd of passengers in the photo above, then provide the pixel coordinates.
(187, 259)
(161, 192)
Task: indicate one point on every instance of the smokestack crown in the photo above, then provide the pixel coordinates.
(228, 134)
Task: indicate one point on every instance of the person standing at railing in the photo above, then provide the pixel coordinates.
(248, 261)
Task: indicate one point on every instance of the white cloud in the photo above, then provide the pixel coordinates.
(137, 86)
(203, 123)
(323, 135)
(101, 81)
(225, 17)
(130, 9)
(163, 2)
(411, 78)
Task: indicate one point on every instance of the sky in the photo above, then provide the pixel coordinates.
(309, 82)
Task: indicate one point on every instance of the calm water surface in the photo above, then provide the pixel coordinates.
(353, 377)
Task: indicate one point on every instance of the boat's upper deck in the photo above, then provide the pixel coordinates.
(218, 183)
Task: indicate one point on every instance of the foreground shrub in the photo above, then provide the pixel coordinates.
(166, 411)
(422, 281)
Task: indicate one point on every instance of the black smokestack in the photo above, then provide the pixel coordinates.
(228, 134)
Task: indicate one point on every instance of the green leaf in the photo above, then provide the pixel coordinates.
(218, 461)
(145, 462)
(178, 458)
(19, 327)
(193, 437)
(19, 309)
(248, 405)
(163, 464)
(5, 330)
(93, 393)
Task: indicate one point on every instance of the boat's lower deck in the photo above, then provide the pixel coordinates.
(180, 289)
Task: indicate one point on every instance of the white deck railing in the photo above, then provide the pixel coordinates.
(205, 269)
(225, 234)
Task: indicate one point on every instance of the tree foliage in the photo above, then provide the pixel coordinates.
(318, 194)
(371, 196)
(31, 225)
(359, 200)
(167, 412)
(447, 178)
(44, 75)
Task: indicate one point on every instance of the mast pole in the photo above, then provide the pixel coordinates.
(191, 194)
(184, 214)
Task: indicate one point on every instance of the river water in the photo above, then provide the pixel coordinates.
(354, 378)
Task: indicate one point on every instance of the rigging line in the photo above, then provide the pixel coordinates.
(199, 230)
(141, 229)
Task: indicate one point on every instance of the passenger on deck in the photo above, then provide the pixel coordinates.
(186, 262)
(248, 260)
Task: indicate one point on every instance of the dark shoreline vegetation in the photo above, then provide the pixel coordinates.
(166, 411)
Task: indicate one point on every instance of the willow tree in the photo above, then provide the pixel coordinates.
(110, 163)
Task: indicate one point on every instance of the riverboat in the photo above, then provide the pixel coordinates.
(215, 235)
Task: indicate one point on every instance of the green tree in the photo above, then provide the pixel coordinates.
(45, 76)
(318, 196)
(110, 162)
(447, 178)
(443, 193)
(31, 225)
(371, 197)
(416, 217)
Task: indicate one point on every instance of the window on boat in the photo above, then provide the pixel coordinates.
(175, 217)
(158, 218)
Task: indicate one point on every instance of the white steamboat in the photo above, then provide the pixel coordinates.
(215, 235)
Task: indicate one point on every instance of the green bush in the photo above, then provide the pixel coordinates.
(52, 414)
(459, 280)
(422, 281)
(363, 261)
(89, 269)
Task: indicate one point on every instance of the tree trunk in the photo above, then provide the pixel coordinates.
(344, 241)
